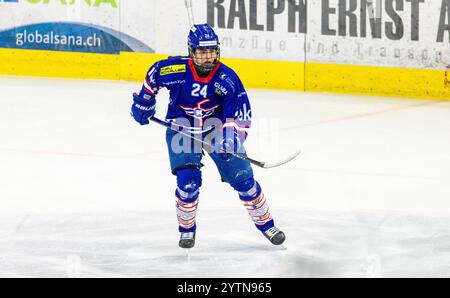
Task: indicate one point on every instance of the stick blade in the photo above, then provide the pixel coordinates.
(282, 162)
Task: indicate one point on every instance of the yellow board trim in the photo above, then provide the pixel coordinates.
(378, 81)
(134, 66)
(59, 64)
(299, 76)
(253, 73)
(269, 74)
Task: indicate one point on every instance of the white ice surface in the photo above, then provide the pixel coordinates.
(85, 191)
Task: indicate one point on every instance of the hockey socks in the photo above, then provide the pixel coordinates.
(186, 204)
(255, 203)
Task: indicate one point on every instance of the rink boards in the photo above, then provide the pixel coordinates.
(389, 48)
(300, 76)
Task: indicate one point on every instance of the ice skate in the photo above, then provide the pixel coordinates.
(187, 240)
(275, 236)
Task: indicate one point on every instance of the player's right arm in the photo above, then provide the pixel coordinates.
(144, 103)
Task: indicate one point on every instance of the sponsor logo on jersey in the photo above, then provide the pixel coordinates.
(244, 114)
(172, 69)
(179, 82)
(226, 78)
(223, 76)
(221, 90)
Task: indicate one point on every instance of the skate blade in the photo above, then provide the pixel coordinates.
(282, 247)
(188, 254)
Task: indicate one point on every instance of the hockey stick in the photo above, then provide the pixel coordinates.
(188, 5)
(208, 145)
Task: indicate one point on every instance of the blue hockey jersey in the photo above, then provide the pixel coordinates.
(221, 95)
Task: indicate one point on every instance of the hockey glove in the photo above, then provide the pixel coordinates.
(231, 142)
(142, 109)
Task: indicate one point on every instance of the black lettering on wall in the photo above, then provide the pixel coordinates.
(326, 12)
(237, 11)
(214, 6)
(444, 21)
(272, 11)
(347, 13)
(295, 9)
(254, 17)
(368, 11)
(415, 18)
(397, 21)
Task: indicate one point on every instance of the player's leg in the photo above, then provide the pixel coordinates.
(189, 181)
(186, 167)
(239, 174)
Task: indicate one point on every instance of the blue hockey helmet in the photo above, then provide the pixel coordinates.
(202, 37)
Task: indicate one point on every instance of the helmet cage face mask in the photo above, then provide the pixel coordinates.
(205, 58)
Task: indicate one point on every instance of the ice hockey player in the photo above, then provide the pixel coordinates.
(202, 88)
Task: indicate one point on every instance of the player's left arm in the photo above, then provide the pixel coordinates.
(237, 116)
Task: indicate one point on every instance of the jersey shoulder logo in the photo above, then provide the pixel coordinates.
(224, 77)
(177, 68)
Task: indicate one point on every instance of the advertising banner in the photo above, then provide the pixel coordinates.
(91, 26)
(265, 30)
(395, 33)
(381, 33)
(251, 29)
